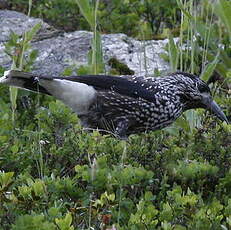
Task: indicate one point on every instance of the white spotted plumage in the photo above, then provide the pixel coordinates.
(126, 104)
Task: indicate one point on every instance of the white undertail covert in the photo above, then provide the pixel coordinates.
(77, 95)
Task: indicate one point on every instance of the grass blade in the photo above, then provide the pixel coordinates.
(87, 11)
(209, 68)
(13, 99)
(173, 53)
(223, 9)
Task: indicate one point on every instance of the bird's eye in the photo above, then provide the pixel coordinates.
(202, 87)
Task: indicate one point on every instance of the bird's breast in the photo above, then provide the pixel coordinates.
(142, 114)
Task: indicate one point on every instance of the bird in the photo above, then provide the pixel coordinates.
(122, 105)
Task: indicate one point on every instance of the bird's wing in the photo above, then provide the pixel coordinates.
(133, 86)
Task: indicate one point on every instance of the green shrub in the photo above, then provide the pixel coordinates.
(155, 180)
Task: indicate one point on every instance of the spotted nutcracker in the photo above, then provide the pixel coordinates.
(123, 105)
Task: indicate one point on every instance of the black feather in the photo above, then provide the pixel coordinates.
(118, 84)
(32, 84)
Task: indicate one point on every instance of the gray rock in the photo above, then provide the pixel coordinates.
(19, 23)
(56, 54)
(141, 56)
(59, 50)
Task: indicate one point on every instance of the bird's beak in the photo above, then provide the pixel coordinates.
(214, 108)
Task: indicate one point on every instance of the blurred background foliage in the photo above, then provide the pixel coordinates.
(117, 16)
(54, 175)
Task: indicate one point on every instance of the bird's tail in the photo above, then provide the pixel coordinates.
(79, 96)
(23, 80)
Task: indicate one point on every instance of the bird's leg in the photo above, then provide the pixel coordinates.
(121, 128)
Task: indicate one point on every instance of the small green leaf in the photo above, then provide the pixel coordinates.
(6, 178)
(65, 223)
(25, 191)
(15, 148)
(39, 187)
(209, 68)
(29, 35)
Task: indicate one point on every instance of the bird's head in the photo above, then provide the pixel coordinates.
(195, 93)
